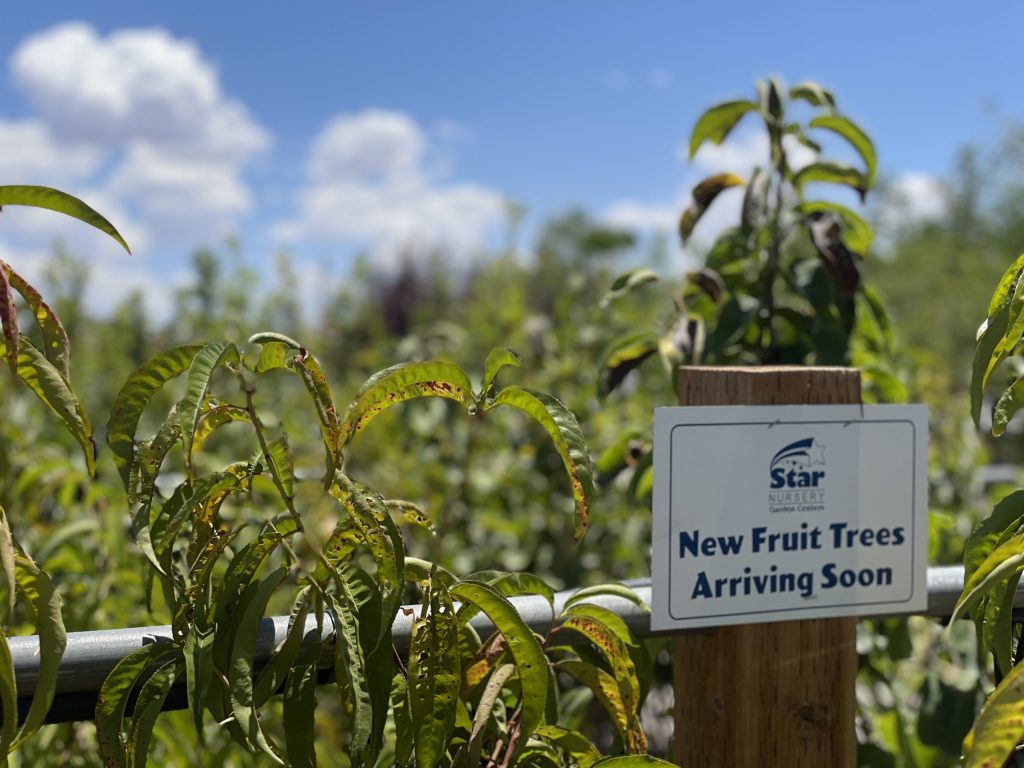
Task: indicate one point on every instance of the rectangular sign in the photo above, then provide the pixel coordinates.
(770, 513)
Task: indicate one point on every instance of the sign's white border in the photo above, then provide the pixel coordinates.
(667, 420)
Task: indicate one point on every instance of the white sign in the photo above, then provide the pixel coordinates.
(770, 513)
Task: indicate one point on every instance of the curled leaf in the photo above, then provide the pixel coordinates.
(61, 202)
(564, 431)
(717, 122)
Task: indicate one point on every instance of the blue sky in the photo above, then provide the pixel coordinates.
(348, 126)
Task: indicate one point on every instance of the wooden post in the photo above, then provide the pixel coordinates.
(779, 694)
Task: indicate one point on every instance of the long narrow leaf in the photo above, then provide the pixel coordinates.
(133, 398)
(53, 389)
(147, 709)
(434, 679)
(999, 726)
(211, 357)
(403, 382)
(44, 603)
(529, 658)
(852, 133)
(56, 347)
(498, 358)
(717, 122)
(240, 671)
(564, 431)
(115, 692)
(61, 202)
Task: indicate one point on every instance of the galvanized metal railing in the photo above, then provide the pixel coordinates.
(90, 656)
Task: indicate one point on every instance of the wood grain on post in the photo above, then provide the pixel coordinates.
(778, 694)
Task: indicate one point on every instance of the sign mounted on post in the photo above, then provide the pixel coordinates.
(770, 513)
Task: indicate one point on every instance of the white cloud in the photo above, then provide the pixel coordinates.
(135, 84)
(373, 146)
(148, 108)
(638, 215)
(370, 183)
(30, 155)
(919, 197)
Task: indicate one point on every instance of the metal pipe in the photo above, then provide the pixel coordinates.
(90, 656)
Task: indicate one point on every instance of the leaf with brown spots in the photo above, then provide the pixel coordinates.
(999, 726)
(531, 664)
(434, 678)
(564, 431)
(56, 347)
(403, 382)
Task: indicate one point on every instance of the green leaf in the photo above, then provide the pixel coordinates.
(198, 652)
(1006, 517)
(273, 674)
(573, 743)
(497, 359)
(133, 398)
(55, 200)
(210, 420)
(282, 466)
(44, 603)
(115, 692)
(832, 173)
(240, 671)
(8, 578)
(211, 357)
(526, 651)
(1005, 286)
(985, 358)
(403, 719)
(270, 337)
(856, 232)
(564, 431)
(630, 761)
(999, 726)
(9, 322)
(53, 389)
(1005, 560)
(615, 651)
(606, 690)
(622, 453)
(433, 683)
(410, 512)
(703, 195)
(147, 709)
(813, 94)
(853, 134)
(350, 663)
(614, 590)
(370, 515)
(485, 707)
(403, 382)
(300, 707)
(422, 572)
(627, 282)
(242, 569)
(716, 123)
(56, 347)
(606, 618)
(622, 356)
(1007, 406)
(8, 699)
